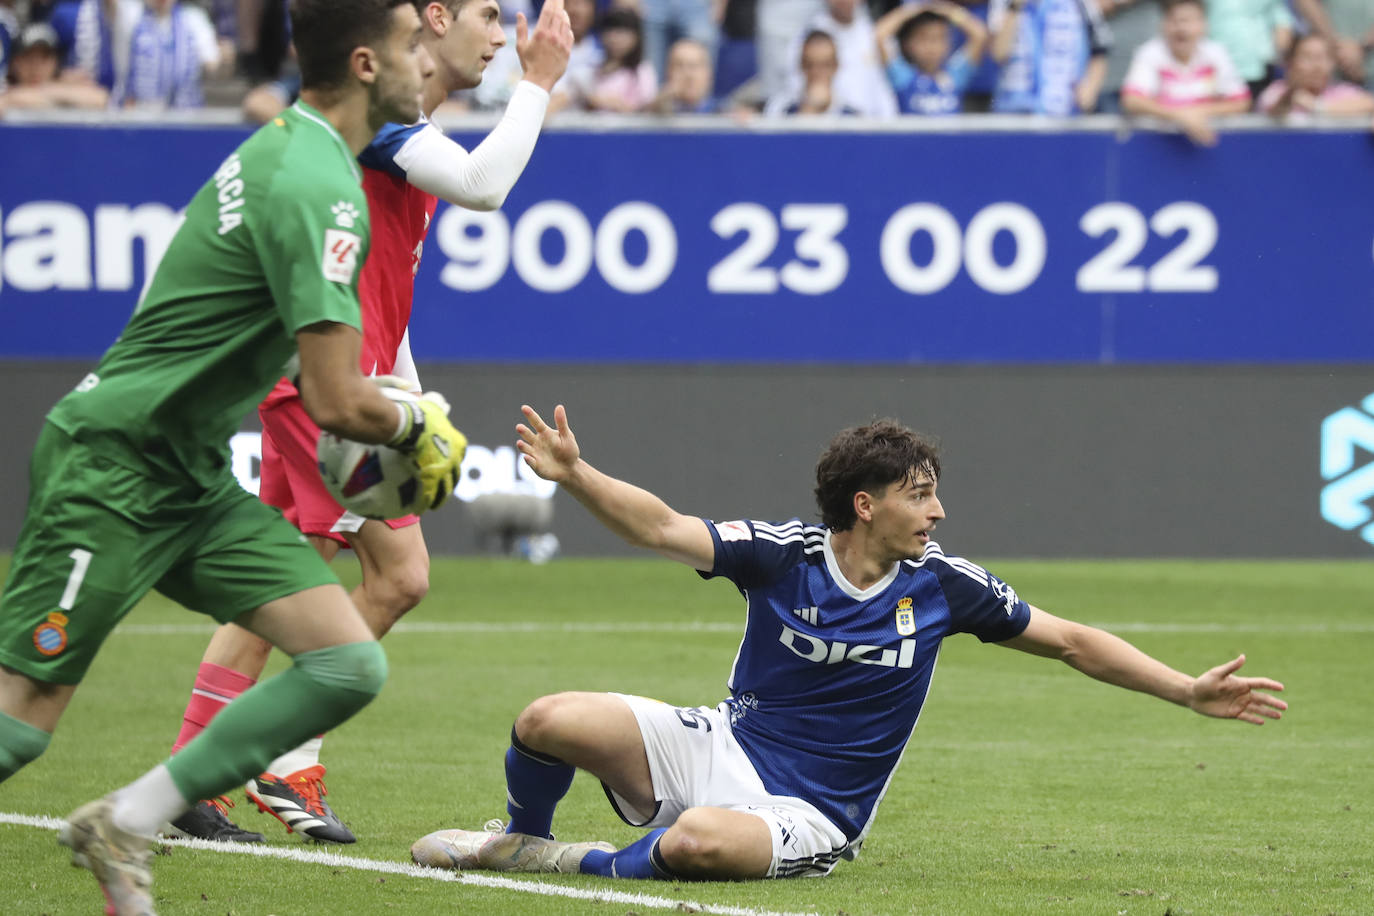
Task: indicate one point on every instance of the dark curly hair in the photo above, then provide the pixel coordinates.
(869, 458)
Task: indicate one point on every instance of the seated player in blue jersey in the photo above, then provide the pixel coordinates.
(845, 620)
(926, 77)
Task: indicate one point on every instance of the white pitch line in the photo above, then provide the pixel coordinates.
(458, 626)
(593, 626)
(335, 860)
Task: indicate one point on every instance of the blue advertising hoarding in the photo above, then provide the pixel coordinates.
(767, 247)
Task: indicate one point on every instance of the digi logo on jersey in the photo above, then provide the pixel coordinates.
(1345, 500)
(824, 652)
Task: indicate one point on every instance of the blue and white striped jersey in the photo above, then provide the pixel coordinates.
(829, 680)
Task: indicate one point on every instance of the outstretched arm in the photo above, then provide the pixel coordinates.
(1099, 654)
(638, 516)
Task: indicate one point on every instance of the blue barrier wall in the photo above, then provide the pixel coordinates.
(745, 247)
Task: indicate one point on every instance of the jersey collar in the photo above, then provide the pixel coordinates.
(849, 588)
(310, 114)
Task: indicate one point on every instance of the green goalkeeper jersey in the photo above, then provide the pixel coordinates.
(273, 242)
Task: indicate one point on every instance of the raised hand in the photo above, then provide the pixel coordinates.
(1220, 693)
(550, 451)
(544, 52)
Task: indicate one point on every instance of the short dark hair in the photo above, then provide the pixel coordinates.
(920, 21)
(453, 6)
(869, 458)
(325, 33)
(816, 35)
(1166, 5)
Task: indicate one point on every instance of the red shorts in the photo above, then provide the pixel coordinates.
(291, 476)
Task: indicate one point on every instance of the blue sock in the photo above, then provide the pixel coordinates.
(535, 784)
(641, 859)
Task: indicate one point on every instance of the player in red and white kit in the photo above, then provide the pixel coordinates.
(406, 169)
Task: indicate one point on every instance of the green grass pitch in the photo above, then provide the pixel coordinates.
(1027, 788)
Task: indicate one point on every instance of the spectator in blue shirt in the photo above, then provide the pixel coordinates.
(926, 77)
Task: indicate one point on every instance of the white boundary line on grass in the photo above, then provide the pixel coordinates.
(333, 859)
(592, 626)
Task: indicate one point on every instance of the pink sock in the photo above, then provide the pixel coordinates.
(215, 687)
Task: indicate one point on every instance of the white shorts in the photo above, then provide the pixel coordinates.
(694, 761)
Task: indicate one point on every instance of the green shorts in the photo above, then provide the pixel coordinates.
(98, 536)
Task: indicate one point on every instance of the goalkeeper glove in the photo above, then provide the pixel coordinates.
(433, 444)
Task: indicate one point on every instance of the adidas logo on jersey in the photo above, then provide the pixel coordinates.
(811, 615)
(823, 652)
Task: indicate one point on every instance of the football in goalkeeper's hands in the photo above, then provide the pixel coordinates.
(374, 481)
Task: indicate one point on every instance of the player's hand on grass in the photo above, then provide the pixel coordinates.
(1221, 694)
(436, 446)
(550, 451)
(544, 52)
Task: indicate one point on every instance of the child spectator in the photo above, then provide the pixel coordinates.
(171, 48)
(1053, 55)
(820, 62)
(687, 86)
(1184, 77)
(625, 81)
(860, 81)
(33, 76)
(1307, 89)
(926, 77)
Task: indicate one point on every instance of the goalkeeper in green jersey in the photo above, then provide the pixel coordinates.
(130, 486)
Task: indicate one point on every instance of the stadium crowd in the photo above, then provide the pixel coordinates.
(1182, 61)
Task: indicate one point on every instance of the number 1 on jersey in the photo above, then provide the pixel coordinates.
(82, 560)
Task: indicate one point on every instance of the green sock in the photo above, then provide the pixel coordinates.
(320, 690)
(20, 742)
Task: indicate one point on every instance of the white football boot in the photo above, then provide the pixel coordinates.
(494, 850)
(118, 860)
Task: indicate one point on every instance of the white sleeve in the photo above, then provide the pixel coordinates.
(479, 180)
(404, 366)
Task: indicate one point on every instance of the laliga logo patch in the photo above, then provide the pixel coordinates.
(734, 531)
(1344, 501)
(51, 636)
(906, 618)
(339, 260)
